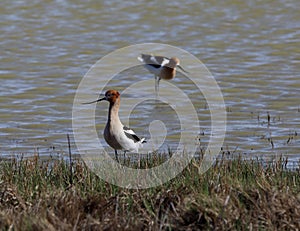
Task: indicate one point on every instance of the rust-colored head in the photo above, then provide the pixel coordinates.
(111, 96)
(174, 61)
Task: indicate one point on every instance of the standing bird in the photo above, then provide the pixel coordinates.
(118, 136)
(162, 67)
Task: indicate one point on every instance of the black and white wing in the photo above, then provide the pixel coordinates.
(154, 61)
(131, 135)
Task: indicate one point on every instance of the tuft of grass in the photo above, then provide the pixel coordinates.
(236, 194)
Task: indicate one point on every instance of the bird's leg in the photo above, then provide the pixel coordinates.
(155, 84)
(158, 84)
(116, 155)
(157, 93)
(157, 79)
(124, 157)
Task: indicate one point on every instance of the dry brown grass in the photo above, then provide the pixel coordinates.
(232, 195)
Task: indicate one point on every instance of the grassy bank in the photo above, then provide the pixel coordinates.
(235, 195)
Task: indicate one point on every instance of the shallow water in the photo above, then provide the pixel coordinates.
(251, 48)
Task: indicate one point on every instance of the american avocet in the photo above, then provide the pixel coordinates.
(118, 136)
(162, 67)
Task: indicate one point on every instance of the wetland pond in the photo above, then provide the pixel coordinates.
(251, 48)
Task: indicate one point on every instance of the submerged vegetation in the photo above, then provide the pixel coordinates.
(231, 195)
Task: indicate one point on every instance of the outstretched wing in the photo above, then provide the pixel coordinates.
(130, 134)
